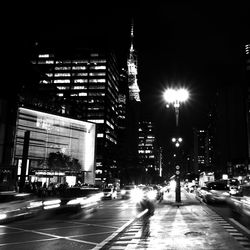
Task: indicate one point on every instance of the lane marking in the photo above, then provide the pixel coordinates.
(111, 237)
(26, 242)
(53, 236)
(247, 231)
(80, 235)
(97, 225)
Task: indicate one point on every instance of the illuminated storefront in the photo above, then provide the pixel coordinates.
(50, 134)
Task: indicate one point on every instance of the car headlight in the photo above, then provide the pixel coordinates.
(3, 216)
(151, 195)
(50, 204)
(74, 202)
(123, 192)
(137, 195)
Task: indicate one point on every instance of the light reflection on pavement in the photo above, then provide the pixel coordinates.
(191, 225)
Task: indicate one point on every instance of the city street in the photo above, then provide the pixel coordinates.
(186, 225)
(67, 230)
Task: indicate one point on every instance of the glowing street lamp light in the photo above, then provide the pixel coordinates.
(176, 97)
(177, 141)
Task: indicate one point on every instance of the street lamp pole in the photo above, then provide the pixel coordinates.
(176, 97)
(176, 109)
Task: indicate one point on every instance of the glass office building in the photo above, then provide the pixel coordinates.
(51, 133)
(88, 82)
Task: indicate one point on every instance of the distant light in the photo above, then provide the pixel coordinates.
(173, 139)
(183, 95)
(170, 95)
(176, 95)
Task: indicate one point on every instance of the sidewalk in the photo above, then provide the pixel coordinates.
(186, 225)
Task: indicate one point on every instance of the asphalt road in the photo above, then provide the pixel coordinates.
(242, 222)
(65, 230)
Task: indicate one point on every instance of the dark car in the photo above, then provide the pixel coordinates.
(75, 198)
(215, 192)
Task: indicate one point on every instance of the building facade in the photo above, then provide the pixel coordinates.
(202, 151)
(87, 81)
(147, 151)
(247, 67)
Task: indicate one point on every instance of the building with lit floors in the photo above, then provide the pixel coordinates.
(247, 70)
(87, 80)
(202, 159)
(148, 152)
(122, 121)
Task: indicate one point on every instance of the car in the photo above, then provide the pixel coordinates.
(109, 193)
(240, 205)
(215, 192)
(75, 199)
(128, 191)
(200, 192)
(14, 205)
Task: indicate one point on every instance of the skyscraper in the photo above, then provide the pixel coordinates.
(134, 91)
(134, 102)
(147, 151)
(201, 151)
(247, 63)
(88, 82)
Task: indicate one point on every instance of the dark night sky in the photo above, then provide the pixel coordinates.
(195, 45)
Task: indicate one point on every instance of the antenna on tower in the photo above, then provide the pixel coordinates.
(132, 35)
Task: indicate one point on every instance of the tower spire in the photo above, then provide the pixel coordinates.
(132, 36)
(132, 69)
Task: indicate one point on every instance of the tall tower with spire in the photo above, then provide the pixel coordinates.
(134, 91)
(134, 172)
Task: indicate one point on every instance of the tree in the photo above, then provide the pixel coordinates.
(61, 162)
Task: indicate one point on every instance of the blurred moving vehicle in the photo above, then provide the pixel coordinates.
(145, 199)
(235, 187)
(15, 205)
(214, 192)
(159, 192)
(240, 204)
(109, 193)
(75, 198)
(200, 192)
(128, 191)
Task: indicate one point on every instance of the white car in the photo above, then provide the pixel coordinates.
(109, 193)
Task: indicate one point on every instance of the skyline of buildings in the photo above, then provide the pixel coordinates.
(88, 84)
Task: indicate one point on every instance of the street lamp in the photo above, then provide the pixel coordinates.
(175, 97)
(177, 141)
